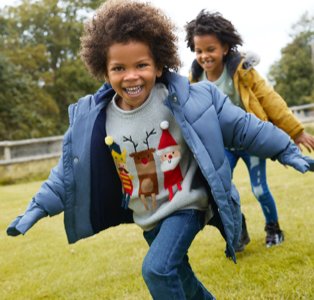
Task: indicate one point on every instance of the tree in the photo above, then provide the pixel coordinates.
(293, 74)
(23, 115)
(40, 40)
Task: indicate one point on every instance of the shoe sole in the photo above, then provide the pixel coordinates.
(272, 245)
(275, 244)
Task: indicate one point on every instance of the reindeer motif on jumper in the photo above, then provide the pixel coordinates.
(125, 177)
(146, 170)
(170, 156)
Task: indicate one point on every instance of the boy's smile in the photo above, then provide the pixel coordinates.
(131, 72)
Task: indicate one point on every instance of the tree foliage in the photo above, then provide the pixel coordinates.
(41, 72)
(293, 74)
(21, 114)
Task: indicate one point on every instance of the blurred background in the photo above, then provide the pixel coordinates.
(41, 73)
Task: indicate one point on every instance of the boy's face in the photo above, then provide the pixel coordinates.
(132, 72)
(210, 53)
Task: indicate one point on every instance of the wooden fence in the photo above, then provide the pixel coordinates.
(31, 158)
(29, 150)
(305, 113)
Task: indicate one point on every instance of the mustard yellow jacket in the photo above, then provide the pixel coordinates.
(257, 96)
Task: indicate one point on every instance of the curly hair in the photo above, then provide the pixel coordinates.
(122, 21)
(213, 23)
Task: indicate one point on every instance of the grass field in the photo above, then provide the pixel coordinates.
(41, 265)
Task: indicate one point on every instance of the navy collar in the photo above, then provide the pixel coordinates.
(105, 93)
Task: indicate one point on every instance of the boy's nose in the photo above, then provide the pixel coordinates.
(131, 75)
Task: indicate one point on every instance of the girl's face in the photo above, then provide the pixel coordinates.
(210, 53)
(132, 72)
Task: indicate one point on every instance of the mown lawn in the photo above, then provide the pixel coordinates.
(41, 265)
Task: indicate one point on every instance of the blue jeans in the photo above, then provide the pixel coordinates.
(166, 269)
(257, 170)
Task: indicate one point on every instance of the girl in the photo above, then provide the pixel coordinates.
(214, 41)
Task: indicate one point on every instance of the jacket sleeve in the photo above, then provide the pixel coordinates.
(48, 201)
(273, 104)
(243, 130)
(51, 194)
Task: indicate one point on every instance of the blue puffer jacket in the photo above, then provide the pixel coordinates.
(85, 184)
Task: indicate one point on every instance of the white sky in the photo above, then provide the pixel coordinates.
(264, 25)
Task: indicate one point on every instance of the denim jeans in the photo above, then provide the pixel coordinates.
(257, 170)
(166, 269)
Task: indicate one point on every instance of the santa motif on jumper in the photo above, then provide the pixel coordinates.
(170, 155)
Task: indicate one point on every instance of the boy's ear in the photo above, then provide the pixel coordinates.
(159, 73)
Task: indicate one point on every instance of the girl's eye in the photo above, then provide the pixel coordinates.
(143, 65)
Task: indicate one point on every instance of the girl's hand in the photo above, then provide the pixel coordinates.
(305, 140)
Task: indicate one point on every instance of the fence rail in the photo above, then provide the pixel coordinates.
(305, 113)
(12, 152)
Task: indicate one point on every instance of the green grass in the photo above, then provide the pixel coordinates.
(309, 127)
(41, 265)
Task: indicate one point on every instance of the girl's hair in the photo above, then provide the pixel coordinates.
(122, 21)
(213, 23)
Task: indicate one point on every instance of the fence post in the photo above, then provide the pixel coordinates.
(7, 153)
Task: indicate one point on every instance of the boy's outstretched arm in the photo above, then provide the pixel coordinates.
(24, 222)
(243, 130)
(48, 201)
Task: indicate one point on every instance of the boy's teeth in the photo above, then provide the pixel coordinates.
(133, 90)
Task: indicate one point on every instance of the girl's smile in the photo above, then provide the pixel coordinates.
(210, 55)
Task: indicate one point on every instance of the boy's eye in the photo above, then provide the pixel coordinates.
(117, 69)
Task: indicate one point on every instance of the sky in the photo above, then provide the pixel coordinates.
(264, 25)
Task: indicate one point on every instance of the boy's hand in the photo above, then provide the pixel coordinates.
(11, 230)
(23, 223)
(293, 157)
(310, 162)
